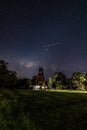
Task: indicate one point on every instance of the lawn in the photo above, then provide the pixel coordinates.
(42, 110)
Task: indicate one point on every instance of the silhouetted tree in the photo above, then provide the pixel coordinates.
(24, 83)
(34, 80)
(8, 79)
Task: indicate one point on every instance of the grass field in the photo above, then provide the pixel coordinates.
(42, 110)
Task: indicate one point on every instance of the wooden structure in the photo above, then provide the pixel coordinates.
(40, 77)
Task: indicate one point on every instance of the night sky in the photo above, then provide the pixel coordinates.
(48, 33)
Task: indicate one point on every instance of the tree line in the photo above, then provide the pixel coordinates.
(9, 79)
(78, 81)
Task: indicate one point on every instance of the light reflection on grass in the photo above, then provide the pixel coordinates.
(43, 110)
(68, 91)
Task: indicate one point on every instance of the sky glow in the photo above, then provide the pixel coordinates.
(51, 34)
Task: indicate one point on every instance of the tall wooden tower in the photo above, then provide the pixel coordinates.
(40, 77)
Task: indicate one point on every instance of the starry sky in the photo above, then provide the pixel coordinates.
(48, 33)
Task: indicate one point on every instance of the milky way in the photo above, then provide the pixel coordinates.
(52, 34)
